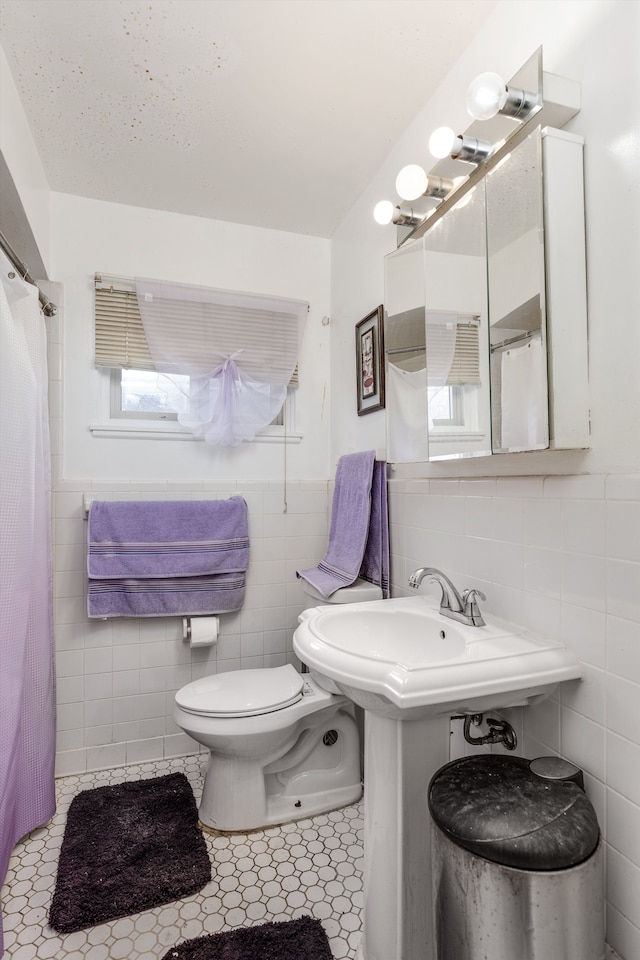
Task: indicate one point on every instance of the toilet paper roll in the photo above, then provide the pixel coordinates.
(200, 631)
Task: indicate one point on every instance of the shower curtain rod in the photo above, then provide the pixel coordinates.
(48, 308)
(517, 339)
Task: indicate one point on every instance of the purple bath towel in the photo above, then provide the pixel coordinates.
(166, 558)
(375, 563)
(351, 513)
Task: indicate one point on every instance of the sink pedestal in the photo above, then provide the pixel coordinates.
(410, 669)
(401, 756)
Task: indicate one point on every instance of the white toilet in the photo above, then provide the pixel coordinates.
(281, 747)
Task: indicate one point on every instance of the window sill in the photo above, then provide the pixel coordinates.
(164, 430)
(460, 435)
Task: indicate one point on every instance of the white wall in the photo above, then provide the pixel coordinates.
(92, 236)
(560, 554)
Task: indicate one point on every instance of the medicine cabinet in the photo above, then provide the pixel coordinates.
(485, 313)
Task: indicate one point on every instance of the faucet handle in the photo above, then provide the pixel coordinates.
(471, 609)
(470, 595)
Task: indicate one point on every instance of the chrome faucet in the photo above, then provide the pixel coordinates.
(463, 608)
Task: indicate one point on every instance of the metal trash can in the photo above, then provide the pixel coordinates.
(516, 860)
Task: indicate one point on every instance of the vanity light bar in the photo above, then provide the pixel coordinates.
(489, 98)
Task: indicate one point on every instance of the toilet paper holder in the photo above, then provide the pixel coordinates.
(200, 631)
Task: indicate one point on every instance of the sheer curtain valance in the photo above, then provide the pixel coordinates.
(225, 358)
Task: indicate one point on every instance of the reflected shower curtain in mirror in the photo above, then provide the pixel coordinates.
(225, 358)
(523, 397)
(407, 437)
(27, 696)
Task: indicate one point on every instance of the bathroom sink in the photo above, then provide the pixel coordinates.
(402, 659)
(415, 639)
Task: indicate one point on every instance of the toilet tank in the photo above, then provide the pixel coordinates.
(358, 592)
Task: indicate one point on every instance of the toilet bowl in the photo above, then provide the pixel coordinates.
(281, 747)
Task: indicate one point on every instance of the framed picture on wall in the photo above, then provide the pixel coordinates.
(370, 362)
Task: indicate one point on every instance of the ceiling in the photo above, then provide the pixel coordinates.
(273, 113)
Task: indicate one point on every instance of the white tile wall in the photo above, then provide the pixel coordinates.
(560, 555)
(117, 678)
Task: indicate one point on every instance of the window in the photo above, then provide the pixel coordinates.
(446, 407)
(135, 394)
(138, 394)
(453, 371)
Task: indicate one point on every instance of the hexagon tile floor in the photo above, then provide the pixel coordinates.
(313, 867)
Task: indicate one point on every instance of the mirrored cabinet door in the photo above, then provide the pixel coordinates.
(517, 304)
(458, 389)
(437, 340)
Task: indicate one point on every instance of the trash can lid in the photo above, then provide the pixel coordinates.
(496, 807)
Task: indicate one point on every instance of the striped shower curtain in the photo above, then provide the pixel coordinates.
(27, 701)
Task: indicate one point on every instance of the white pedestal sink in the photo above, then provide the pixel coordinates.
(411, 668)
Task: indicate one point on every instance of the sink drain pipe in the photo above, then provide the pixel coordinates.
(500, 731)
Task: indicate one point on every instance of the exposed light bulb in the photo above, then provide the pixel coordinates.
(411, 182)
(486, 96)
(442, 142)
(489, 95)
(383, 212)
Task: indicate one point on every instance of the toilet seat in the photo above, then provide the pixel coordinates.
(242, 693)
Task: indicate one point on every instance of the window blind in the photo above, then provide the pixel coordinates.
(120, 339)
(453, 349)
(465, 367)
(119, 334)
(440, 346)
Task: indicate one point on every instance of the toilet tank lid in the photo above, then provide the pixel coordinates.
(242, 693)
(358, 592)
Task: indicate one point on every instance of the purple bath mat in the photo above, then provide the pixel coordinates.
(301, 939)
(127, 848)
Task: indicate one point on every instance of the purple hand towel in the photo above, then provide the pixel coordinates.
(375, 563)
(350, 514)
(167, 558)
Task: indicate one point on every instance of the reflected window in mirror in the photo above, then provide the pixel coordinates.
(457, 331)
